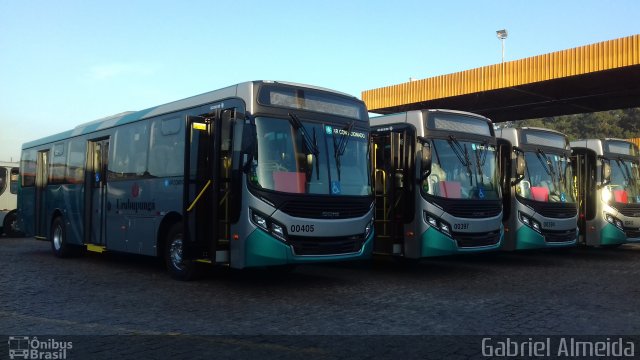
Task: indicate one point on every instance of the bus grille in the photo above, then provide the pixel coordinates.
(556, 236)
(468, 209)
(328, 209)
(555, 210)
(632, 210)
(470, 240)
(305, 245)
(632, 232)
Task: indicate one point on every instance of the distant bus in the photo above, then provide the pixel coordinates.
(608, 191)
(539, 206)
(257, 174)
(8, 198)
(436, 183)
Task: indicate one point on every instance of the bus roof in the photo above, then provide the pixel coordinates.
(190, 102)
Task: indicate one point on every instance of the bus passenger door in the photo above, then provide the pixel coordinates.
(42, 176)
(201, 183)
(96, 184)
(393, 183)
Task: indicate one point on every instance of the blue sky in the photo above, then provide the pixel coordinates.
(68, 62)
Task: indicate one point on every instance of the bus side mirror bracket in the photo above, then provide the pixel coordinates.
(425, 158)
(520, 166)
(248, 146)
(606, 172)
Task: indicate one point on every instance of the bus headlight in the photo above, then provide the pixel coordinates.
(614, 220)
(368, 228)
(268, 224)
(530, 222)
(277, 231)
(259, 220)
(437, 223)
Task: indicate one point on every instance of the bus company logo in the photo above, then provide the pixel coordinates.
(135, 190)
(23, 347)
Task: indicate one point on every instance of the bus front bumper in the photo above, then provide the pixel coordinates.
(435, 243)
(262, 249)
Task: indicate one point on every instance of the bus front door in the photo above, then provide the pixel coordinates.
(392, 165)
(42, 176)
(201, 183)
(96, 183)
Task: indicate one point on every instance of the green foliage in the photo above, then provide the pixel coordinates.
(624, 124)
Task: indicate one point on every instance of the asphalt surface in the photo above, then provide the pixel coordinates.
(127, 305)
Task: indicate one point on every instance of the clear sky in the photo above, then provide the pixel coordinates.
(68, 62)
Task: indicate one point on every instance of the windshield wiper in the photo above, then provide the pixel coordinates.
(625, 171)
(462, 155)
(311, 144)
(341, 145)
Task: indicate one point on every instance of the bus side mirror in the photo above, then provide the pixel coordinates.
(425, 161)
(606, 173)
(520, 167)
(249, 150)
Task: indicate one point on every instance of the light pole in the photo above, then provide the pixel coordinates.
(502, 34)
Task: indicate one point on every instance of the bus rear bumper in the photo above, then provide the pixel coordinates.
(261, 249)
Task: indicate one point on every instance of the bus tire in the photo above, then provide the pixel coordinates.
(9, 225)
(178, 268)
(59, 244)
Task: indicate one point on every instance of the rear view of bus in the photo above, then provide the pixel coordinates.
(436, 184)
(539, 200)
(608, 191)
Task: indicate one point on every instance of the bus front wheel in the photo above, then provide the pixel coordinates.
(178, 267)
(9, 225)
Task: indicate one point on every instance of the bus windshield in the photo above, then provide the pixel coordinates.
(547, 178)
(624, 186)
(310, 158)
(463, 170)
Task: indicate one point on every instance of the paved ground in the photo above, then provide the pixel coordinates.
(572, 292)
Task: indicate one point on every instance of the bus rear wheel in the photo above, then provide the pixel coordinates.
(61, 248)
(179, 268)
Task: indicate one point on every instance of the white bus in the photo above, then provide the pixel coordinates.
(8, 198)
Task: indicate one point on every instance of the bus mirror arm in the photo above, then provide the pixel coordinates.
(425, 158)
(248, 146)
(606, 173)
(520, 166)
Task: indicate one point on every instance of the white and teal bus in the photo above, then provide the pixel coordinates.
(436, 184)
(608, 186)
(540, 209)
(257, 174)
(8, 198)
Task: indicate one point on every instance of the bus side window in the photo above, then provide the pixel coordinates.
(166, 154)
(75, 162)
(13, 180)
(3, 179)
(28, 166)
(130, 151)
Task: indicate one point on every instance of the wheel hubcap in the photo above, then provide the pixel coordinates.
(57, 238)
(175, 253)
